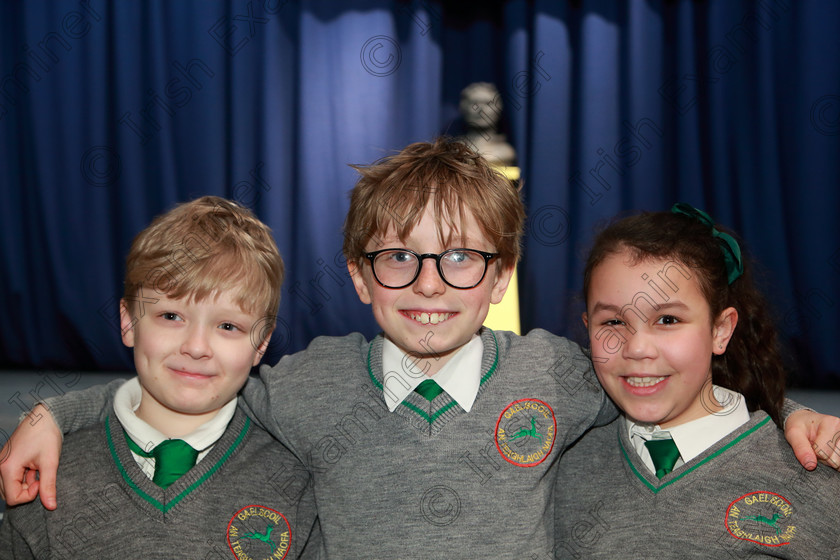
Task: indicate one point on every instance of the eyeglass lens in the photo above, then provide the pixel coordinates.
(462, 268)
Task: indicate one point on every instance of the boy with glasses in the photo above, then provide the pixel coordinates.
(438, 438)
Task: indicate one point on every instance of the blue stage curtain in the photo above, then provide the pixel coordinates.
(112, 112)
(730, 106)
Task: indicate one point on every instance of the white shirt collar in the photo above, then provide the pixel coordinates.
(126, 401)
(695, 437)
(460, 377)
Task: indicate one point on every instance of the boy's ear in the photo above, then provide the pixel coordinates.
(126, 324)
(356, 273)
(724, 329)
(585, 318)
(500, 286)
(261, 349)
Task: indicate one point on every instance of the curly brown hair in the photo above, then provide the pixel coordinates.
(753, 364)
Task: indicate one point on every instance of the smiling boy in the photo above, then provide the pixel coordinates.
(447, 296)
(439, 437)
(191, 358)
(414, 438)
(175, 469)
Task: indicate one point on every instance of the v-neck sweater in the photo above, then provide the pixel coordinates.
(746, 496)
(430, 480)
(247, 484)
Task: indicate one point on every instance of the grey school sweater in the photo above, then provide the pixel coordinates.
(745, 497)
(428, 481)
(248, 498)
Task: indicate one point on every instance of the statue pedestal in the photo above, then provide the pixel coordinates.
(504, 316)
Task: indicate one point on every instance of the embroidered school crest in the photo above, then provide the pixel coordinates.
(525, 432)
(259, 532)
(764, 518)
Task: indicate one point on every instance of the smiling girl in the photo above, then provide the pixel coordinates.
(696, 466)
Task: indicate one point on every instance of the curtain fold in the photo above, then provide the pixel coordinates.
(112, 112)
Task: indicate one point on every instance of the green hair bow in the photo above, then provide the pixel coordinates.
(730, 248)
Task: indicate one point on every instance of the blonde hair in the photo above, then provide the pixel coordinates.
(202, 248)
(446, 173)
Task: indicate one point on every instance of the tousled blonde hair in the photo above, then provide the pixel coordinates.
(202, 248)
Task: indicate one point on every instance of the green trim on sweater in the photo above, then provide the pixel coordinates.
(656, 489)
(430, 418)
(174, 501)
(492, 369)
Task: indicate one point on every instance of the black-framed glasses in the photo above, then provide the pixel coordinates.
(460, 268)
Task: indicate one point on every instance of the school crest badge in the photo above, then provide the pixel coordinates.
(525, 432)
(259, 532)
(764, 518)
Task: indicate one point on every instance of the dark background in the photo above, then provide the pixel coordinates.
(112, 112)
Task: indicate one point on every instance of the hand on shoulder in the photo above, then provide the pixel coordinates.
(33, 448)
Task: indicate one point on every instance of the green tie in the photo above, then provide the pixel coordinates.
(173, 458)
(664, 454)
(428, 390)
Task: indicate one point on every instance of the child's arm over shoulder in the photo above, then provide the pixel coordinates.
(607, 412)
(256, 400)
(35, 445)
(813, 436)
(572, 370)
(282, 395)
(80, 409)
